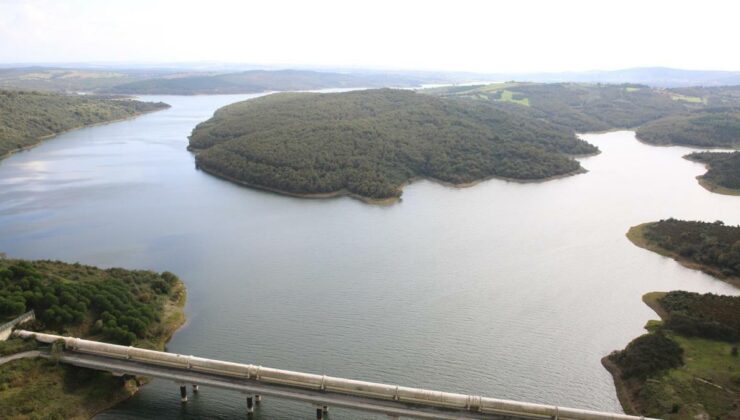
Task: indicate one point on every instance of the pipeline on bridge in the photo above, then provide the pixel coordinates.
(468, 404)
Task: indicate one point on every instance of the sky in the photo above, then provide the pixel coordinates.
(459, 35)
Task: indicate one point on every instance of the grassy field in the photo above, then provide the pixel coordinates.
(508, 96)
(689, 99)
(41, 389)
(708, 384)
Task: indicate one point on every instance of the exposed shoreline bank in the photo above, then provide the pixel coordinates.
(636, 235)
(381, 201)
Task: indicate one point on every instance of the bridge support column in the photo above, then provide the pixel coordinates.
(319, 413)
(195, 389)
(250, 404)
(183, 393)
(257, 398)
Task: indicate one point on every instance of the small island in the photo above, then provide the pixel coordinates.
(715, 127)
(723, 171)
(687, 366)
(369, 144)
(27, 118)
(129, 307)
(713, 248)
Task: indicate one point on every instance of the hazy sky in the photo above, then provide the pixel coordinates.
(522, 35)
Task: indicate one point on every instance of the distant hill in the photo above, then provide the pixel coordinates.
(68, 79)
(687, 116)
(28, 117)
(261, 81)
(651, 76)
(369, 143)
(200, 78)
(579, 106)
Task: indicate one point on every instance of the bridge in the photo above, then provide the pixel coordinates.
(320, 391)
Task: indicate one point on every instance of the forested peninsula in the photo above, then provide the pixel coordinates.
(723, 174)
(26, 118)
(369, 143)
(129, 307)
(710, 247)
(687, 365)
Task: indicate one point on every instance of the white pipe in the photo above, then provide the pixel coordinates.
(351, 387)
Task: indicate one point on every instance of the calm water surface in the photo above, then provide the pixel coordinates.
(503, 289)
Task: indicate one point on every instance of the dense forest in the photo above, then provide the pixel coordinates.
(711, 316)
(116, 305)
(699, 116)
(27, 117)
(723, 174)
(369, 143)
(687, 366)
(136, 307)
(260, 81)
(579, 106)
(715, 127)
(713, 247)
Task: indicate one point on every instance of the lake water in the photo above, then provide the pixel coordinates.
(502, 289)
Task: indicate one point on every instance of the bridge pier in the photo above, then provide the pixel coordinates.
(257, 398)
(321, 410)
(250, 404)
(183, 394)
(195, 389)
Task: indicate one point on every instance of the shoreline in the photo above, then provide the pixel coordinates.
(636, 236)
(623, 388)
(101, 391)
(173, 318)
(50, 136)
(709, 185)
(688, 146)
(624, 394)
(379, 201)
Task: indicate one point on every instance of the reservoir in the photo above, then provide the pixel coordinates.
(503, 289)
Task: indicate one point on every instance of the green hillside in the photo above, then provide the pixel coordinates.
(579, 106)
(131, 307)
(369, 143)
(717, 127)
(28, 117)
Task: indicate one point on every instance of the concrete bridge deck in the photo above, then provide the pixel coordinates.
(356, 395)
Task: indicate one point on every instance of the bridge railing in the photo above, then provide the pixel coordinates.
(470, 404)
